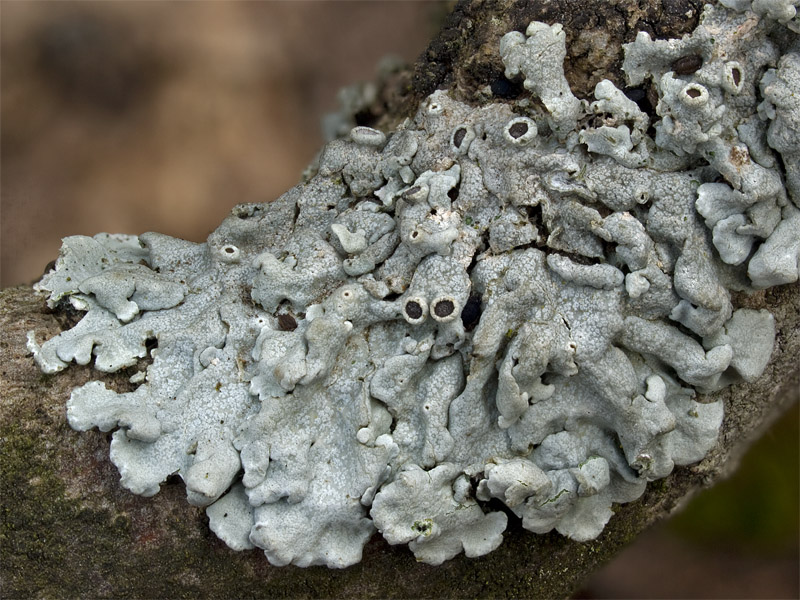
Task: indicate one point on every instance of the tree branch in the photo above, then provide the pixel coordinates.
(69, 529)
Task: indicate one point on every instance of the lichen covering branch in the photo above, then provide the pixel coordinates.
(512, 308)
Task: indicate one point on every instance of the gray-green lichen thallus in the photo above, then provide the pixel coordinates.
(512, 302)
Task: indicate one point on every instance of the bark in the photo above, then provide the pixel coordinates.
(67, 528)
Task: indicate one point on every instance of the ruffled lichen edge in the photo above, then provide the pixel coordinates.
(69, 530)
(32, 421)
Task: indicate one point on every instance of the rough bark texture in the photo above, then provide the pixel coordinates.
(464, 56)
(67, 528)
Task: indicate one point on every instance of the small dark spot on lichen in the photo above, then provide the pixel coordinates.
(287, 322)
(444, 308)
(686, 65)
(518, 129)
(458, 136)
(423, 527)
(413, 310)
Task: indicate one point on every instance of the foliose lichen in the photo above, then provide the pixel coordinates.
(519, 303)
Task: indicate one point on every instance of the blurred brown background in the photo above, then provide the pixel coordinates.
(132, 116)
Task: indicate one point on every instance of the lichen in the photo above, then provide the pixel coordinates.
(503, 303)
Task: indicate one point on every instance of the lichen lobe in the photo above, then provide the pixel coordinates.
(509, 302)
